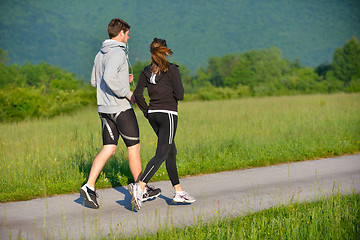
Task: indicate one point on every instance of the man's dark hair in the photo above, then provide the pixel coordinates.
(116, 25)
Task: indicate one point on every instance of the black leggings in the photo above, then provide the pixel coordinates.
(164, 125)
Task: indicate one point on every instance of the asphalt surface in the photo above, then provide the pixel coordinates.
(219, 194)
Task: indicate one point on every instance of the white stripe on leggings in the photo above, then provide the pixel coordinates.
(171, 123)
(148, 172)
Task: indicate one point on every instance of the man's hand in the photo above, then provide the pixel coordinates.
(131, 78)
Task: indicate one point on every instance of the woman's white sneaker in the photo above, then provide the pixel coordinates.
(183, 197)
(137, 194)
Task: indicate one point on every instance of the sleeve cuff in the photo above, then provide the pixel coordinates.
(128, 96)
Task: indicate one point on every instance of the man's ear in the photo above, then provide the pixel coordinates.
(122, 32)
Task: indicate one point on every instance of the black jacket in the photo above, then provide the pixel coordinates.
(164, 95)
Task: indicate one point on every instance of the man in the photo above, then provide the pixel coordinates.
(110, 75)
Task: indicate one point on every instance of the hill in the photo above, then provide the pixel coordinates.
(69, 33)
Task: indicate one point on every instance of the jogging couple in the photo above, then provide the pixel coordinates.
(110, 75)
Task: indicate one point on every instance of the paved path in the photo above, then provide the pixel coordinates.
(234, 192)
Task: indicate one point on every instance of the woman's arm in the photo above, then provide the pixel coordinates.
(139, 94)
(177, 84)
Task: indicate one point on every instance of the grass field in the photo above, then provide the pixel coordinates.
(333, 217)
(54, 156)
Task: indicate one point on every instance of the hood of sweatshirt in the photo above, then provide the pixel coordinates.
(158, 77)
(108, 44)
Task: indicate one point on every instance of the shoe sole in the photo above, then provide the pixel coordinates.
(91, 204)
(152, 197)
(183, 201)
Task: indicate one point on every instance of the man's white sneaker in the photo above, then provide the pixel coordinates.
(183, 197)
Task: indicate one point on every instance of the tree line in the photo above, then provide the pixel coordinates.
(43, 90)
(265, 73)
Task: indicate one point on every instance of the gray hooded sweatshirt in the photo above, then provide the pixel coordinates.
(110, 76)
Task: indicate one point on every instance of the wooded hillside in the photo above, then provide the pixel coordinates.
(68, 33)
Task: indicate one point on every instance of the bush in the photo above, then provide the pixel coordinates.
(29, 102)
(354, 86)
(221, 93)
(40, 91)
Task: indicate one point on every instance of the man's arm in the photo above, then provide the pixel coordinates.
(93, 78)
(93, 73)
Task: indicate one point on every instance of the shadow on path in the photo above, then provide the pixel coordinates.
(170, 202)
(126, 202)
(80, 200)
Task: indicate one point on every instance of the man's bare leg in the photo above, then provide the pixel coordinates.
(99, 163)
(135, 161)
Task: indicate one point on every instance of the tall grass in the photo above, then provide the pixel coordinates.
(223, 135)
(334, 217)
(54, 156)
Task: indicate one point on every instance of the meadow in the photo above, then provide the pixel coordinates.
(53, 156)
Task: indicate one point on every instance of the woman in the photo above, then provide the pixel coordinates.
(163, 82)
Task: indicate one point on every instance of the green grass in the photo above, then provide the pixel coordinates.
(333, 217)
(54, 156)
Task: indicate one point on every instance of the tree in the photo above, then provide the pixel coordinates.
(242, 73)
(346, 61)
(3, 57)
(257, 67)
(221, 67)
(323, 68)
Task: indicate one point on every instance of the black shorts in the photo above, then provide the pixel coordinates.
(122, 124)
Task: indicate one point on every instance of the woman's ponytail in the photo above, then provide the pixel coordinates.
(159, 53)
